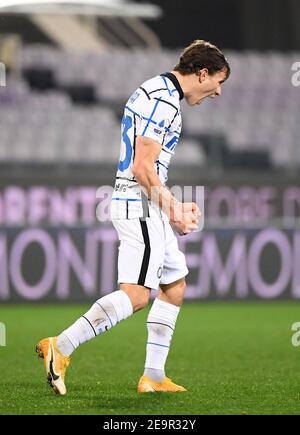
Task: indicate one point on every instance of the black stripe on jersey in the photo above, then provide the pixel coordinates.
(126, 209)
(168, 152)
(159, 89)
(169, 128)
(172, 120)
(163, 141)
(134, 137)
(167, 102)
(144, 90)
(90, 325)
(146, 257)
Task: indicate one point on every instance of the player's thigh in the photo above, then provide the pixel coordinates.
(140, 256)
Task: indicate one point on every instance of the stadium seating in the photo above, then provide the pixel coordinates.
(74, 115)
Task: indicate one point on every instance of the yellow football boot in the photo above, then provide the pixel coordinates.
(55, 364)
(146, 385)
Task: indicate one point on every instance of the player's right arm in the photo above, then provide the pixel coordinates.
(183, 216)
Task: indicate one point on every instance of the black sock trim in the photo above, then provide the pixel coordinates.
(90, 325)
(158, 323)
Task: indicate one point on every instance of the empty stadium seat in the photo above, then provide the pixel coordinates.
(258, 110)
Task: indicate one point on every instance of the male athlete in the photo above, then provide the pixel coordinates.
(145, 215)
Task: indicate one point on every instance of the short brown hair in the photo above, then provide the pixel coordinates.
(202, 54)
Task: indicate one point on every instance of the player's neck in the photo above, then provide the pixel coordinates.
(185, 81)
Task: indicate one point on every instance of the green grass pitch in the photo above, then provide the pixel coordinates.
(234, 358)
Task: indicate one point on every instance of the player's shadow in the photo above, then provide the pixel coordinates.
(140, 401)
(138, 405)
(133, 403)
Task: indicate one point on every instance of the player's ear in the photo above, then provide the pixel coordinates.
(203, 73)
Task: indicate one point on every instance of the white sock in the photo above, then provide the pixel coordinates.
(102, 316)
(161, 324)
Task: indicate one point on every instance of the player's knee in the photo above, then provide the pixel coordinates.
(138, 295)
(179, 287)
(178, 296)
(182, 285)
(174, 293)
(141, 301)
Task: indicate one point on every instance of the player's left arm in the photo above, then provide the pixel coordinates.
(147, 152)
(183, 216)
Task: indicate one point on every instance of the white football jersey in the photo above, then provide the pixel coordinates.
(153, 111)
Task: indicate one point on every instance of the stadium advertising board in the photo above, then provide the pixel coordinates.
(53, 248)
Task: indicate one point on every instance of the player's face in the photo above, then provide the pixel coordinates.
(206, 86)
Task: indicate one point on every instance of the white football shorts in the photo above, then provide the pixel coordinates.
(148, 252)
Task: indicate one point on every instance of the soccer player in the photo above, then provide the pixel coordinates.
(145, 215)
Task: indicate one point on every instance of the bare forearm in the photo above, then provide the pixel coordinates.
(183, 216)
(155, 191)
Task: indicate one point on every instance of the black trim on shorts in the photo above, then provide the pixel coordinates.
(146, 257)
(126, 209)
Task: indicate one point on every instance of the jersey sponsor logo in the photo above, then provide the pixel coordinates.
(157, 131)
(160, 124)
(134, 96)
